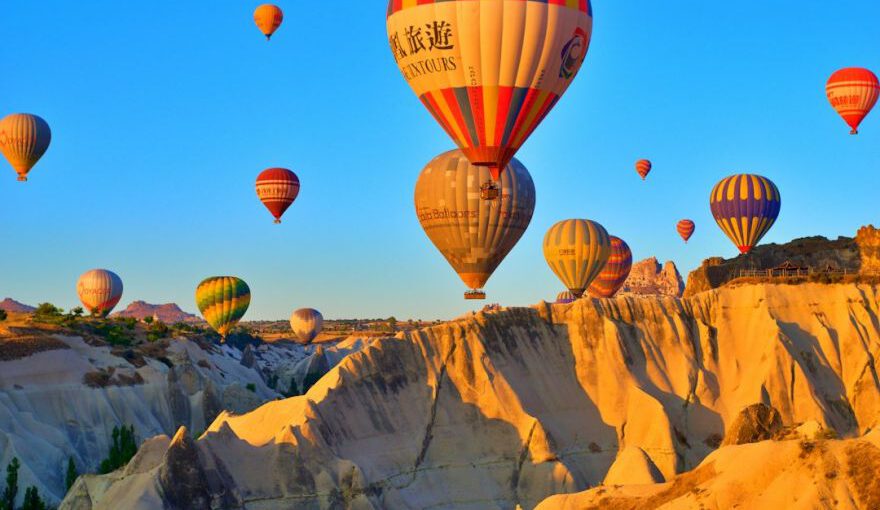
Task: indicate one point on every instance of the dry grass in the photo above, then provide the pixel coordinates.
(863, 470)
(22, 346)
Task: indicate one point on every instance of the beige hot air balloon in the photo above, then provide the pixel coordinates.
(306, 324)
(577, 250)
(99, 290)
(24, 139)
(473, 234)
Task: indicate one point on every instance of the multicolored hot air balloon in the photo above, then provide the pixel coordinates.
(615, 272)
(489, 71)
(745, 207)
(577, 250)
(643, 167)
(853, 92)
(277, 188)
(306, 324)
(24, 139)
(685, 229)
(223, 301)
(268, 18)
(473, 234)
(565, 297)
(99, 291)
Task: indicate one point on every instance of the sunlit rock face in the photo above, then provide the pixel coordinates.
(648, 278)
(510, 407)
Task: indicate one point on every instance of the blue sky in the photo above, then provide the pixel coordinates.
(163, 114)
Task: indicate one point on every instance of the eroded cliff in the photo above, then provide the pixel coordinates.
(510, 407)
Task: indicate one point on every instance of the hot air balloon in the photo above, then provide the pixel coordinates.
(685, 229)
(277, 188)
(565, 297)
(306, 323)
(615, 272)
(745, 207)
(268, 18)
(223, 301)
(99, 290)
(474, 235)
(853, 92)
(489, 71)
(24, 139)
(577, 250)
(643, 167)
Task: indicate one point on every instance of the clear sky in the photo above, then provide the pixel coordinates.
(164, 112)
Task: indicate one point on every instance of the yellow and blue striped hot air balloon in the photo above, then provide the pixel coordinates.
(745, 207)
(577, 250)
(223, 301)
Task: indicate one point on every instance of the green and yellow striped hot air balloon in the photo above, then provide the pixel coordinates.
(223, 301)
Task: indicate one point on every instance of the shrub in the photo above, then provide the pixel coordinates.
(71, 473)
(252, 387)
(32, 500)
(47, 312)
(157, 331)
(11, 490)
(2, 315)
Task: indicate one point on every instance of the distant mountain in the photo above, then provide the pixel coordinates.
(11, 305)
(168, 313)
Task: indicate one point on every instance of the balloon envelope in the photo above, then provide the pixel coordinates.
(489, 71)
(24, 139)
(615, 272)
(577, 250)
(223, 301)
(473, 234)
(306, 324)
(277, 188)
(745, 207)
(268, 18)
(99, 291)
(685, 229)
(853, 92)
(643, 167)
(565, 297)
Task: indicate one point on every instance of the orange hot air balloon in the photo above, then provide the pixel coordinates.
(643, 167)
(277, 188)
(853, 91)
(489, 71)
(268, 18)
(24, 139)
(685, 229)
(615, 272)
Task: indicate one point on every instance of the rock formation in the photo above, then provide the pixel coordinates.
(648, 278)
(509, 407)
(861, 254)
(757, 422)
(168, 313)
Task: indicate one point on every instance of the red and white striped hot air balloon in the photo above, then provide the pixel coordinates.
(852, 92)
(685, 229)
(643, 167)
(277, 188)
(99, 290)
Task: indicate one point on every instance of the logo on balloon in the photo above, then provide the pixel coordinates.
(573, 53)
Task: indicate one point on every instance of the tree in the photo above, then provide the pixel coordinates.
(124, 447)
(11, 490)
(47, 312)
(2, 315)
(148, 319)
(32, 500)
(70, 476)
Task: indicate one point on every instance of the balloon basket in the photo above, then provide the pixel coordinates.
(474, 294)
(277, 221)
(22, 178)
(489, 191)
